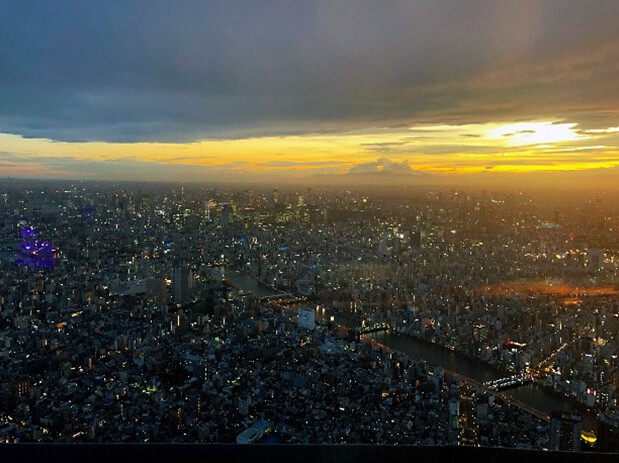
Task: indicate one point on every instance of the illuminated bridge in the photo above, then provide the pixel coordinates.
(474, 383)
(375, 328)
(505, 397)
(283, 296)
(508, 382)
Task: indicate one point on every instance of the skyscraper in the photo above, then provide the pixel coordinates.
(565, 431)
(182, 282)
(595, 258)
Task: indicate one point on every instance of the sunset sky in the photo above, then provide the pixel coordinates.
(283, 90)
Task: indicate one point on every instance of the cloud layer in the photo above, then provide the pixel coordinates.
(165, 71)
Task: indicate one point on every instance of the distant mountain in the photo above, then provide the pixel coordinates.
(593, 179)
(374, 178)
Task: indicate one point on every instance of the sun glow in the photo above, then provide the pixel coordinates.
(534, 146)
(534, 133)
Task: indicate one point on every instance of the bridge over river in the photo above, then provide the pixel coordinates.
(476, 384)
(528, 396)
(505, 397)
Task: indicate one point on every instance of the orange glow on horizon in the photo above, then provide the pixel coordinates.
(543, 288)
(444, 149)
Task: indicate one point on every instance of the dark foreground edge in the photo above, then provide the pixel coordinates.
(185, 453)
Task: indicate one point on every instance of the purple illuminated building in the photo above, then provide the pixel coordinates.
(33, 252)
(28, 232)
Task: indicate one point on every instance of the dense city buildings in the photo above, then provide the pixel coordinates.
(184, 313)
(309, 230)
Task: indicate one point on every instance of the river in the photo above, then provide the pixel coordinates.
(530, 394)
(246, 282)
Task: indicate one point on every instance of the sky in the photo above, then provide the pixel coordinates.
(298, 91)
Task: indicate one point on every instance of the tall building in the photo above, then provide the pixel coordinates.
(385, 300)
(565, 431)
(595, 258)
(227, 215)
(157, 291)
(182, 283)
(415, 239)
(307, 318)
(585, 345)
(207, 210)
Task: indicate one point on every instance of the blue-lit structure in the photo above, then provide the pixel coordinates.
(89, 212)
(28, 232)
(34, 252)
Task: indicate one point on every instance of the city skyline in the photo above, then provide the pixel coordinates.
(169, 313)
(335, 229)
(415, 93)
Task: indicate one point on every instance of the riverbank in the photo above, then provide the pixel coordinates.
(589, 417)
(501, 372)
(244, 281)
(535, 395)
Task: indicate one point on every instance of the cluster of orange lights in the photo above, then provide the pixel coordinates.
(571, 301)
(543, 288)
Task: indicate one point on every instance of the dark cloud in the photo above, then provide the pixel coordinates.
(452, 149)
(178, 71)
(385, 147)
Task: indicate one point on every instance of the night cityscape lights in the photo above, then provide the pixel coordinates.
(34, 252)
(309, 231)
(167, 313)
